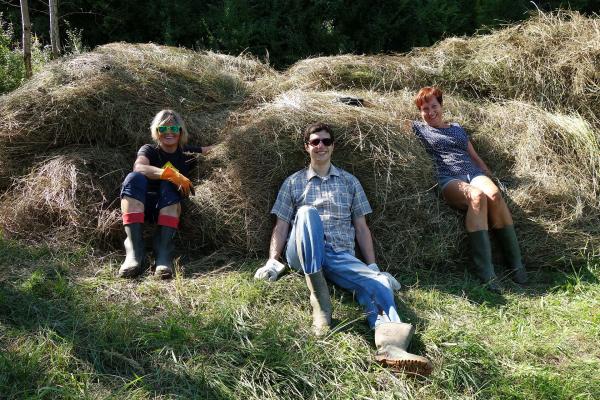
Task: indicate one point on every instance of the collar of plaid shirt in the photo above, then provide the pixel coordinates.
(333, 171)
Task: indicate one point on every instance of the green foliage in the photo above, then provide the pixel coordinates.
(12, 69)
(287, 30)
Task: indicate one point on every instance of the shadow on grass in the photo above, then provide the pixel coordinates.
(45, 313)
(66, 340)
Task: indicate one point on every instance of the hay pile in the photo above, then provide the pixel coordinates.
(530, 79)
(552, 60)
(70, 196)
(109, 96)
(549, 162)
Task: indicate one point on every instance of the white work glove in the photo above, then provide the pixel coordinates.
(271, 270)
(394, 284)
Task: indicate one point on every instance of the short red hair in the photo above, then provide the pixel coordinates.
(426, 93)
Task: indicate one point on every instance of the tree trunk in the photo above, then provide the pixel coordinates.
(26, 38)
(54, 32)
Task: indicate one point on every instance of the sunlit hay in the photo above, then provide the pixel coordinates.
(380, 72)
(110, 95)
(547, 161)
(68, 197)
(543, 149)
(550, 162)
(266, 147)
(551, 59)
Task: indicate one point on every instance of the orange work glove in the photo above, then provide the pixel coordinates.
(183, 184)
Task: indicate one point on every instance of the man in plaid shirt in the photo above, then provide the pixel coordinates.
(325, 207)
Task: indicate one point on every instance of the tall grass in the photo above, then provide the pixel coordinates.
(68, 334)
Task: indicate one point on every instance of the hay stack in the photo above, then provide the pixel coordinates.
(546, 152)
(70, 196)
(381, 73)
(552, 60)
(549, 161)
(110, 95)
(266, 147)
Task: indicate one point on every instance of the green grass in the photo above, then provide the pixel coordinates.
(70, 329)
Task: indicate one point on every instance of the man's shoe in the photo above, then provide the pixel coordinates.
(392, 340)
(320, 302)
(134, 251)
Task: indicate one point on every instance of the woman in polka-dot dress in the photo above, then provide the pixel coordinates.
(464, 181)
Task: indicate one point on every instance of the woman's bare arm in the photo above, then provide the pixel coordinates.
(477, 160)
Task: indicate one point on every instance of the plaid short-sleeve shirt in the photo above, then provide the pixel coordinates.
(339, 198)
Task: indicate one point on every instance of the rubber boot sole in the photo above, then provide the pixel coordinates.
(163, 273)
(411, 367)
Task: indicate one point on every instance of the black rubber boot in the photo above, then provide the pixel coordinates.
(163, 251)
(481, 253)
(512, 252)
(134, 251)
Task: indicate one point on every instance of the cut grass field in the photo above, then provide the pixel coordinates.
(70, 329)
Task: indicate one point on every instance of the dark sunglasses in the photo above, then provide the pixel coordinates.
(175, 129)
(315, 142)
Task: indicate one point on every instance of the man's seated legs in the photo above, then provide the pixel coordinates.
(375, 294)
(372, 289)
(305, 253)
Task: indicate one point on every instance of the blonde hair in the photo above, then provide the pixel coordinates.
(163, 116)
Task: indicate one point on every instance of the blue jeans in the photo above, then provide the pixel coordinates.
(307, 252)
(135, 186)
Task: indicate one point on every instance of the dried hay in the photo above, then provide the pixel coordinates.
(381, 73)
(550, 162)
(552, 60)
(546, 152)
(70, 196)
(110, 95)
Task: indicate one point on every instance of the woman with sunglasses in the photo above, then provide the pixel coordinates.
(464, 181)
(154, 190)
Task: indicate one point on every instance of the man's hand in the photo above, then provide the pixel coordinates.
(394, 284)
(183, 184)
(271, 270)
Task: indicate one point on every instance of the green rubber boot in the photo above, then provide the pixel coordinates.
(163, 251)
(512, 252)
(481, 253)
(392, 340)
(320, 302)
(134, 251)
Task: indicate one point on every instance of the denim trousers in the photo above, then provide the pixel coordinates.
(307, 252)
(135, 186)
